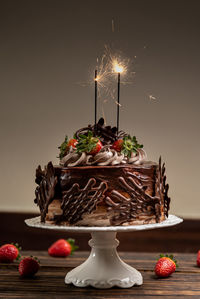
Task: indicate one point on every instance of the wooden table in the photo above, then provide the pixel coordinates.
(49, 281)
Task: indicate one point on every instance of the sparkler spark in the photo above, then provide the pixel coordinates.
(151, 97)
(107, 65)
(117, 67)
(118, 104)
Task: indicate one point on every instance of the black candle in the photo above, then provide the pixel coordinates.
(95, 95)
(117, 68)
(118, 103)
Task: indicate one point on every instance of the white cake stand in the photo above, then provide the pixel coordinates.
(104, 269)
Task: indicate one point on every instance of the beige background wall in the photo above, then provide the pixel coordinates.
(48, 47)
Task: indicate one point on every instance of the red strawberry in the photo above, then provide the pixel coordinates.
(72, 142)
(117, 145)
(9, 252)
(62, 248)
(198, 258)
(165, 266)
(28, 266)
(96, 148)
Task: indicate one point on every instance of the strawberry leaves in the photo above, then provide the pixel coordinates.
(87, 143)
(63, 147)
(72, 244)
(130, 145)
(35, 258)
(90, 144)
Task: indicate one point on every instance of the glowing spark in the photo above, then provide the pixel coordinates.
(117, 67)
(108, 64)
(151, 97)
(118, 104)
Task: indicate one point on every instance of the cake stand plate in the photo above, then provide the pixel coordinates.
(104, 268)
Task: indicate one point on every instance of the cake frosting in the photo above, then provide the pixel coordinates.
(103, 178)
(106, 156)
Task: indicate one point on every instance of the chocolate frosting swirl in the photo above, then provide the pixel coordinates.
(106, 156)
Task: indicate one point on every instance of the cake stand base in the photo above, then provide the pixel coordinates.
(104, 269)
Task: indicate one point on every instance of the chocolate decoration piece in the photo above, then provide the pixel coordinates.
(77, 201)
(46, 190)
(162, 188)
(39, 175)
(126, 209)
(107, 134)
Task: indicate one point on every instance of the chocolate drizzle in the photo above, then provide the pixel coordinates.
(107, 134)
(135, 203)
(77, 201)
(45, 192)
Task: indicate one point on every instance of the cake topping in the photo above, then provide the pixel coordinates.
(89, 144)
(101, 145)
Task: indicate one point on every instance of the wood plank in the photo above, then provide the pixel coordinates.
(50, 279)
(53, 283)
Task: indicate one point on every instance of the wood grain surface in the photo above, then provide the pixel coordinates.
(49, 281)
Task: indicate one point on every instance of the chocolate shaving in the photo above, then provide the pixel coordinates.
(107, 134)
(77, 201)
(45, 192)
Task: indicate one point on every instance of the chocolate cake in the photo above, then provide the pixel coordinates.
(103, 179)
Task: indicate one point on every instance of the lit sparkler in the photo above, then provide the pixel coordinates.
(118, 69)
(110, 62)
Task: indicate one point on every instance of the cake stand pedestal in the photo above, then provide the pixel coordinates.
(104, 269)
